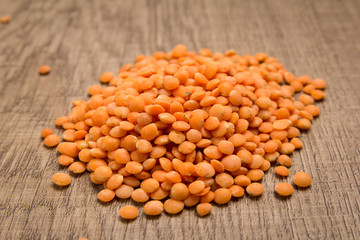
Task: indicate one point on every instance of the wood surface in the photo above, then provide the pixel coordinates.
(81, 39)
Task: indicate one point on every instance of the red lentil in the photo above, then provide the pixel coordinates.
(236, 191)
(5, 19)
(124, 191)
(106, 195)
(195, 128)
(255, 189)
(51, 140)
(77, 167)
(284, 189)
(43, 70)
(153, 207)
(128, 212)
(46, 132)
(65, 160)
(61, 179)
(203, 209)
(222, 195)
(302, 179)
(282, 171)
(173, 206)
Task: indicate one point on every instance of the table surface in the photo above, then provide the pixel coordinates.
(81, 39)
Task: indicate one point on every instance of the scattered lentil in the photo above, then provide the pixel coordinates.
(128, 212)
(302, 179)
(46, 132)
(282, 171)
(43, 70)
(5, 19)
(284, 189)
(61, 179)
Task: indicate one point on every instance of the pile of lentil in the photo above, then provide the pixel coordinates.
(187, 129)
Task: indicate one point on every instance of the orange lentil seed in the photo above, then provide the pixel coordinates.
(255, 189)
(282, 171)
(106, 195)
(203, 209)
(173, 206)
(5, 19)
(65, 160)
(77, 167)
(46, 132)
(284, 160)
(153, 207)
(222, 196)
(284, 189)
(302, 179)
(124, 191)
(51, 140)
(129, 212)
(61, 179)
(43, 70)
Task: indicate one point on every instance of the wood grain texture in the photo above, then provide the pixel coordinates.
(81, 39)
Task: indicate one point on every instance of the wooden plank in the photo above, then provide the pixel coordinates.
(81, 39)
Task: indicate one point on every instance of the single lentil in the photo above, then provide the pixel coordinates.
(61, 179)
(128, 212)
(45, 69)
(284, 189)
(203, 209)
(302, 179)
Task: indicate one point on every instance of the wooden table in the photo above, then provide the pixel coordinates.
(81, 39)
